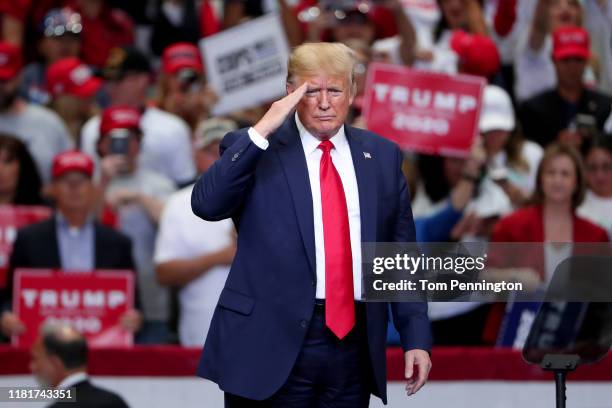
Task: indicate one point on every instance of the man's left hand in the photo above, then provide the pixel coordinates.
(418, 365)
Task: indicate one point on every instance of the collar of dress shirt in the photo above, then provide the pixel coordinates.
(311, 143)
(62, 223)
(72, 380)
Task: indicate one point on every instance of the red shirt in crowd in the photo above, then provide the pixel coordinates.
(527, 225)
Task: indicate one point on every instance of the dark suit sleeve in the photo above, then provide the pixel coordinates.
(221, 191)
(18, 259)
(127, 261)
(409, 318)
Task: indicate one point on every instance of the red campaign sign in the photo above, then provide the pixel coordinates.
(92, 302)
(13, 217)
(423, 111)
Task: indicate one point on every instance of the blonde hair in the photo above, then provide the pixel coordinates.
(311, 59)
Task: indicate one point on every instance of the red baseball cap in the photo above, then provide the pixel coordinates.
(71, 76)
(72, 161)
(571, 42)
(10, 60)
(477, 53)
(119, 117)
(181, 56)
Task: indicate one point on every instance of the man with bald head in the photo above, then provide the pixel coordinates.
(304, 190)
(59, 360)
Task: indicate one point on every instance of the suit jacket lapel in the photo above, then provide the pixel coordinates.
(289, 147)
(99, 241)
(365, 171)
(54, 251)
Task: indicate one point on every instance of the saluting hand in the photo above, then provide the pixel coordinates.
(279, 111)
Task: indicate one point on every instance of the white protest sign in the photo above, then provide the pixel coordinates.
(246, 65)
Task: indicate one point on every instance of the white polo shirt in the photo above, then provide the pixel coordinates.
(182, 235)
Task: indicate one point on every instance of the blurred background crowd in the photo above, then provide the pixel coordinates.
(105, 117)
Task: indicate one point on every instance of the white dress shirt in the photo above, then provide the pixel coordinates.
(343, 161)
(72, 380)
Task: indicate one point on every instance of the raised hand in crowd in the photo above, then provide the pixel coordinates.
(463, 192)
(475, 18)
(10, 324)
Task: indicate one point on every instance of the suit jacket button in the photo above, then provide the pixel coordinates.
(303, 323)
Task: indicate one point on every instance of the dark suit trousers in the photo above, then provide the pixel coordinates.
(328, 373)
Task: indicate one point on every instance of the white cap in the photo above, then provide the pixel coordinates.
(497, 112)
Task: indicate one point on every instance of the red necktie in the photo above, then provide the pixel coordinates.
(339, 298)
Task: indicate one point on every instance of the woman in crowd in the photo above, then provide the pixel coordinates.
(20, 183)
(597, 205)
(512, 161)
(552, 218)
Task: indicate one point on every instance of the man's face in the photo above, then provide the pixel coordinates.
(74, 191)
(352, 30)
(455, 12)
(128, 90)
(325, 106)
(564, 12)
(570, 71)
(207, 156)
(599, 171)
(46, 369)
(56, 48)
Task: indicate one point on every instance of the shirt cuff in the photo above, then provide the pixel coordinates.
(258, 139)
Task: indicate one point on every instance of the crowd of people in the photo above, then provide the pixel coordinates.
(105, 116)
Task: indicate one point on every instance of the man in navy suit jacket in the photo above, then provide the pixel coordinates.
(271, 341)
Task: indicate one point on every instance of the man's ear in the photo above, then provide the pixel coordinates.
(289, 87)
(58, 366)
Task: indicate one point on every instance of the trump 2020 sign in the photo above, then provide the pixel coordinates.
(422, 111)
(91, 302)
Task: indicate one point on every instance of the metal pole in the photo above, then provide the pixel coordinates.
(560, 386)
